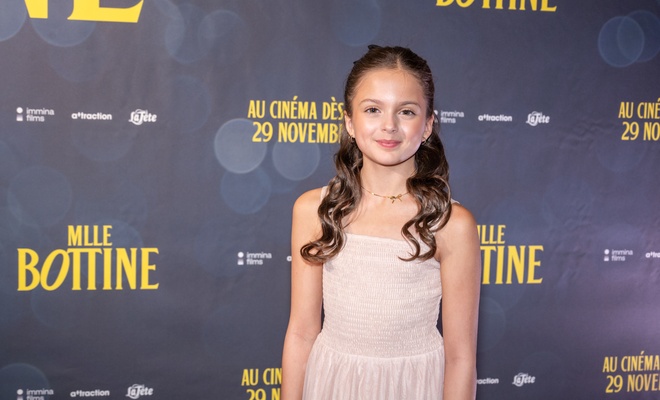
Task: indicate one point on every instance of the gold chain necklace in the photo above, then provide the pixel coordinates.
(393, 198)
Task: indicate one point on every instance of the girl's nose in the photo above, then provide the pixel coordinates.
(390, 123)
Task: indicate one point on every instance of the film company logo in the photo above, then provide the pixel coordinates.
(34, 394)
(523, 379)
(536, 117)
(614, 255)
(488, 381)
(28, 114)
(450, 117)
(495, 118)
(89, 393)
(86, 116)
(136, 391)
(247, 258)
(139, 117)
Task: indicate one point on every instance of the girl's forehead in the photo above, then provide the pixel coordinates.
(387, 74)
(389, 79)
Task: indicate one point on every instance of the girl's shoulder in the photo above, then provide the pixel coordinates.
(306, 223)
(460, 219)
(308, 202)
(461, 228)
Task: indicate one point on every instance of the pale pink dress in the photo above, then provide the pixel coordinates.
(379, 338)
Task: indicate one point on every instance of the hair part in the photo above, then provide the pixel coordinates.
(429, 185)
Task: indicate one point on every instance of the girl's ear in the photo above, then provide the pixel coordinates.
(428, 129)
(348, 122)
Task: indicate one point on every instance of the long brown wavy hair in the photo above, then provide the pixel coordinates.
(429, 185)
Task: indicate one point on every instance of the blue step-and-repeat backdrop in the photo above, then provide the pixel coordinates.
(151, 151)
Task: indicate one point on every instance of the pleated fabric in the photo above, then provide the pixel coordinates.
(379, 337)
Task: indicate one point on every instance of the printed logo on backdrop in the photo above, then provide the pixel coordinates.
(88, 10)
(91, 116)
(641, 120)
(255, 380)
(247, 258)
(509, 5)
(636, 373)
(523, 379)
(626, 255)
(535, 117)
(295, 121)
(28, 114)
(617, 255)
(34, 394)
(136, 391)
(450, 117)
(495, 118)
(507, 263)
(89, 393)
(488, 381)
(90, 253)
(139, 117)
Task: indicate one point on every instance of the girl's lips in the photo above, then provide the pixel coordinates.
(388, 143)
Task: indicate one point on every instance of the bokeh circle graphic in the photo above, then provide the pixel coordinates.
(226, 34)
(12, 18)
(74, 64)
(182, 38)
(20, 375)
(58, 30)
(650, 25)
(124, 235)
(616, 158)
(234, 148)
(190, 105)
(39, 196)
(296, 161)
(621, 41)
(356, 22)
(56, 309)
(246, 193)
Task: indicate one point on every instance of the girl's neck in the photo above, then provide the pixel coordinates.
(387, 181)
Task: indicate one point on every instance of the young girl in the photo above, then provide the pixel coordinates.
(377, 249)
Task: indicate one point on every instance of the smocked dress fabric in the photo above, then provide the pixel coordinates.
(379, 339)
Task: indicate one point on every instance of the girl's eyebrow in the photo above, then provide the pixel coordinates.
(403, 103)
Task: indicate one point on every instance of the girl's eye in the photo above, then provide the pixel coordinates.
(408, 112)
(371, 110)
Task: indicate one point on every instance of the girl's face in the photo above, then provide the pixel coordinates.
(389, 120)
